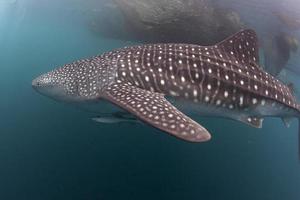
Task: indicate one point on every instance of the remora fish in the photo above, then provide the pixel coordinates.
(222, 80)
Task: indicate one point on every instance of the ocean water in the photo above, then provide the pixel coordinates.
(49, 150)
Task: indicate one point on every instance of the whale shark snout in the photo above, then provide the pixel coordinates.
(47, 86)
(40, 81)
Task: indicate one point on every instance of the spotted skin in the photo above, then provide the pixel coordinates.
(226, 74)
(222, 80)
(154, 109)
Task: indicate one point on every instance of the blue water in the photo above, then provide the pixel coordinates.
(49, 150)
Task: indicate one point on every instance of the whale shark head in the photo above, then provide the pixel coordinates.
(58, 84)
(79, 81)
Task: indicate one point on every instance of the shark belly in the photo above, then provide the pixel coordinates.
(266, 108)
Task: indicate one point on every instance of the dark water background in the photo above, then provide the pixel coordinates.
(49, 150)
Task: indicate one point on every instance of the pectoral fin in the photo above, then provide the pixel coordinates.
(155, 110)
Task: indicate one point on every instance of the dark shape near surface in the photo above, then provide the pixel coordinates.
(288, 20)
(278, 50)
(163, 21)
(222, 80)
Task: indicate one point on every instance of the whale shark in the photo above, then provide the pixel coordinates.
(159, 83)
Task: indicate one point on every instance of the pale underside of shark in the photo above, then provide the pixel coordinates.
(223, 80)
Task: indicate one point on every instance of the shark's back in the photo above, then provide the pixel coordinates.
(226, 74)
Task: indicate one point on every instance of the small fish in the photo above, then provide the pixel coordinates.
(116, 118)
(223, 80)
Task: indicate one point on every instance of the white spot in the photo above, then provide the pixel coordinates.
(195, 93)
(226, 94)
(162, 82)
(254, 101)
(206, 98)
(242, 82)
(180, 61)
(182, 79)
(209, 70)
(241, 100)
(267, 92)
(147, 78)
(209, 87)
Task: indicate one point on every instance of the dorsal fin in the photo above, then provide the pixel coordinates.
(243, 46)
